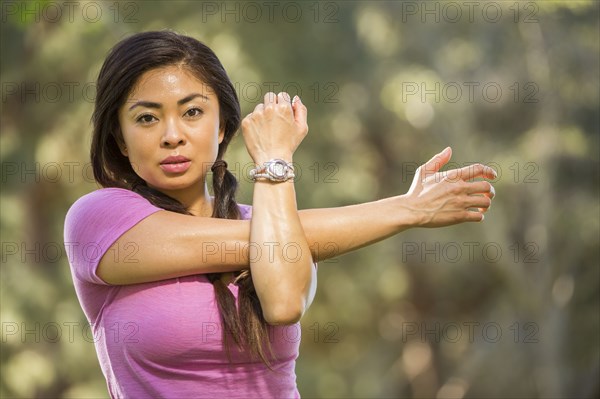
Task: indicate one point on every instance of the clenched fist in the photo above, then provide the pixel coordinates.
(275, 128)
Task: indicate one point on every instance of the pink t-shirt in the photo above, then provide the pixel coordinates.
(163, 339)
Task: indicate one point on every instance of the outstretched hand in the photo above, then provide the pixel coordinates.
(449, 197)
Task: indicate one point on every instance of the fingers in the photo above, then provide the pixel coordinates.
(473, 216)
(285, 103)
(436, 163)
(480, 202)
(299, 111)
(481, 187)
(284, 98)
(480, 195)
(277, 104)
(471, 172)
(270, 99)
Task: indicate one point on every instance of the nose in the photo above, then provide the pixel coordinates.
(172, 136)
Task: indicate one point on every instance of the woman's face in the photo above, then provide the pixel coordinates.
(170, 126)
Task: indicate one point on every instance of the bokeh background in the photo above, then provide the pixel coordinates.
(504, 309)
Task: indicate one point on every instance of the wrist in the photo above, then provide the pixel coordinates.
(405, 215)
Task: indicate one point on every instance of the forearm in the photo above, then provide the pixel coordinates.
(332, 232)
(280, 259)
(168, 245)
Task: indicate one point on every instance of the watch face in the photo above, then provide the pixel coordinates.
(278, 169)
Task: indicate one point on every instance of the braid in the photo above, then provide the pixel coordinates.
(252, 319)
(247, 324)
(224, 186)
(229, 320)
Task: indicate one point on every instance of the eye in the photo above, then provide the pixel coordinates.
(194, 112)
(146, 119)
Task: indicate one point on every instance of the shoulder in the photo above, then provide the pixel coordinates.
(106, 197)
(104, 194)
(107, 206)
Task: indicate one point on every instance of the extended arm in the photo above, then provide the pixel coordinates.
(173, 245)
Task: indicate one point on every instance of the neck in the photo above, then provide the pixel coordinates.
(197, 202)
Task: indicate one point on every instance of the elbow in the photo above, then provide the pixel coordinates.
(283, 315)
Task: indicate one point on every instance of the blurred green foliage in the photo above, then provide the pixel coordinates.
(508, 308)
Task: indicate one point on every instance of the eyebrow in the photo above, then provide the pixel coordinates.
(150, 104)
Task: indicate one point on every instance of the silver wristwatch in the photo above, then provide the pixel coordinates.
(276, 170)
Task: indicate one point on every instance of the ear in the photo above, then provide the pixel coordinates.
(123, 148)
(221, 134)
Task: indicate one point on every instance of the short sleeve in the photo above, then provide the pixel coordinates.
(95, 221)
(245, 211)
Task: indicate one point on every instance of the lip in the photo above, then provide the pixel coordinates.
(175, 164)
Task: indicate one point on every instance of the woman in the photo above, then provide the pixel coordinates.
(191, 295)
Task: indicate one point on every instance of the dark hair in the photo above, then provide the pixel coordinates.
(123, 66)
